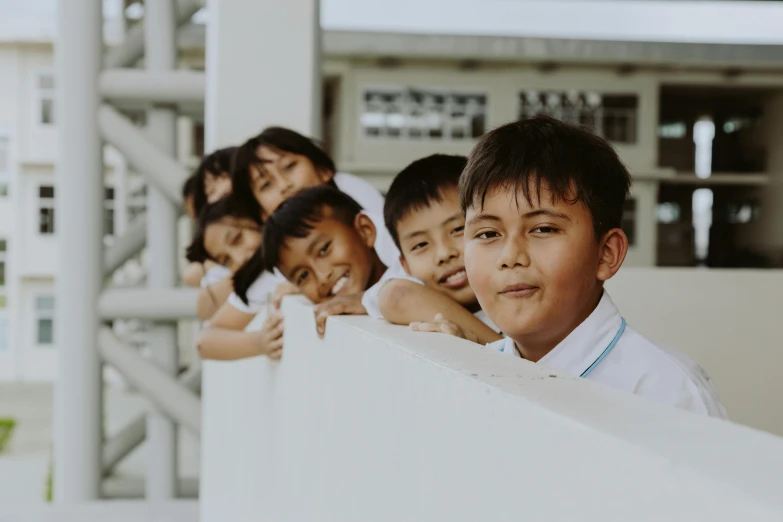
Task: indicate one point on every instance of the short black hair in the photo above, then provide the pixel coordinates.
(212, 213)
(571, 161)
(215, 163)
(418, 185)
(190, 187)
(281, 139)
(297, 216)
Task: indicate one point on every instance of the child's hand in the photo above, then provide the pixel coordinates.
(343, 305)
(283, 289)
(441, 325)
(271, 341)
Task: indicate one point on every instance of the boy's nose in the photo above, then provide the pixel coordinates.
(446, 253)
(514, 253)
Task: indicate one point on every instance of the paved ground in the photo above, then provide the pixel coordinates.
(24, 465)
(109, 511)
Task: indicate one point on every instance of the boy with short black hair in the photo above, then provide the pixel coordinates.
(544, 202)
(322, 242)
(424, 218)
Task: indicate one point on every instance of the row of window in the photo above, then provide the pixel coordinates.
(442, 114)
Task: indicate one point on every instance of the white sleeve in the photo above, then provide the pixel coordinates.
(362, 191)
(215, 275)
(370, 299)
(257, 294)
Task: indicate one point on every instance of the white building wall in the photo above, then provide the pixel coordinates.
(38, 141)
(413, 426)
(30, 256)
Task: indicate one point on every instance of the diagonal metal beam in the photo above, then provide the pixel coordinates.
(126, 246)
(132, 48)
(160, 169)
(175, 87)
(133, 434)
(163, 390)
(163, 304)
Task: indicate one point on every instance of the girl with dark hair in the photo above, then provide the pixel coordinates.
(209, 183)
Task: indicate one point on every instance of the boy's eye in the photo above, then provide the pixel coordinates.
(458, 230)
(489, 234)
(236, 239)
(290, 166)
(301, 277)
(418, 246)
(324, 249)
(544, 230)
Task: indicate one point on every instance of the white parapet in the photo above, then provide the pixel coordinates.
(380, 423)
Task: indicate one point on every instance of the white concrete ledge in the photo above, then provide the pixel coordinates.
(379, 423)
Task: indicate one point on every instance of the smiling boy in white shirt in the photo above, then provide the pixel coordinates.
(543, 202)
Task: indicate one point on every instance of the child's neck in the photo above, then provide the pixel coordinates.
(535, 348)
(378, 268)
(473, 307)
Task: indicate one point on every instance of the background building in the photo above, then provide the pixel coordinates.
(696, 117)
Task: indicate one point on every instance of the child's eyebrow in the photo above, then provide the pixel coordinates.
(311, 246)
(544, 212)
(453, 217)
(482, 217)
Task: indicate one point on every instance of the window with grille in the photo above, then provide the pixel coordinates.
(423, 114)
(45, 87)
(46, 209)
(612, 116)
(44, 319)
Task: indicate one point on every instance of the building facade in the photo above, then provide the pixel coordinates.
(699, 126)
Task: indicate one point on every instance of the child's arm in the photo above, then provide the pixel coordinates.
(405, 302)
(212, 298)
(225, 338)
(192, 274)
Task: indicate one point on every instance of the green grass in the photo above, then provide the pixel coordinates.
(6, 429)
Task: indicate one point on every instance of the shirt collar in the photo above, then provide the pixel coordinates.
(584, 344)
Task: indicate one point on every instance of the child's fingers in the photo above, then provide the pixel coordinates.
(436, 327)
(320, 322)
(274, 345)
(276, 354)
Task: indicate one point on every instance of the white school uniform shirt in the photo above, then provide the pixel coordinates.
(371, 201)
(635, 364)
(215, 275)
(370, 297)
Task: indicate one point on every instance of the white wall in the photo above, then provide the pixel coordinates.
(38, 142)
(380, 423)
(729, 321)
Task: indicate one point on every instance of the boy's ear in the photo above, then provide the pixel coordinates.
(611, 254)
(366, 229)
(325, 175)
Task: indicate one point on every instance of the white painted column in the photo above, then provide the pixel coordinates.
(161, 55)
(247, 44)
(77, 446)
(263, 68)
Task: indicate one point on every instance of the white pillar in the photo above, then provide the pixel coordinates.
(248, 43)
(161, 55)
(77, 447)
